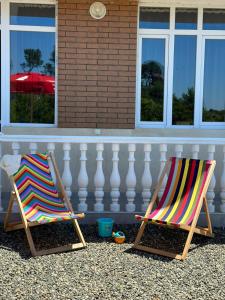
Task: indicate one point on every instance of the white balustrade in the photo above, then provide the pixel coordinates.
(222, 184)
(115, 179)
(131, 179)
(195, 151)
(178, 150)
(83, 179)
(15, 150)
(51, 149)
(99, 180)
(146, 178)
(33, 148)
(192, 147)
(67, 176)
(163, 151)
(1, 208)
(210, 194)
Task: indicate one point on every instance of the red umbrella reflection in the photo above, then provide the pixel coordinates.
(32, 83)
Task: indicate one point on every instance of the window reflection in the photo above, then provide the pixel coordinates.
(152, 79)
(214, 19)
(214, 81)
(186, 18)
(154, 18)
(32, 79)
(32, 14)
(184, 80)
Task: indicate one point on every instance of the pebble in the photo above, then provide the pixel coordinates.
(109, 271)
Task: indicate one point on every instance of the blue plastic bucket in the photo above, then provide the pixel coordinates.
(105, 226)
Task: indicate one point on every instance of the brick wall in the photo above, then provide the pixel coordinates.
(97, 59)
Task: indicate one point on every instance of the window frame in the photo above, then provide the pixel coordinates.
(6, 28)
(199, 72)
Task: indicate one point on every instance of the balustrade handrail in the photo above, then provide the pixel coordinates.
(111, 139)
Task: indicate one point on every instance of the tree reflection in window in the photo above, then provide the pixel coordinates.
(152, 91)
(183, 108)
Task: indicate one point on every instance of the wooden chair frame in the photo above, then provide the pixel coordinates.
(26, 224)
(191, 229)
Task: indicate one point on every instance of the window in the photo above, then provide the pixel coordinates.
(28, 76)
(181, 67)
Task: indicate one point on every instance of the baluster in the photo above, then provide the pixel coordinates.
(195, 151)
(115, 179)
(222, 183)
(210, 193)
(99, 180)
(163, 151)
(83, 179)
(178, 150)
(67, 176)
(51, 149)
(15, 150)
(146, 178)
(1, 208)
(33, 148)
(131, 179)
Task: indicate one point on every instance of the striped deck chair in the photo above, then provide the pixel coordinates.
(181, 202)
(39, 201)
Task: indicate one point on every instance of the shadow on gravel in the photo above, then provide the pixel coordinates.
(174, 240)
(48, 236)
(53, 235)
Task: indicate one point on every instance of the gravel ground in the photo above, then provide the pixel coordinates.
(107, 271)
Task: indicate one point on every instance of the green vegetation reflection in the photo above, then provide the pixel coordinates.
(152, 91)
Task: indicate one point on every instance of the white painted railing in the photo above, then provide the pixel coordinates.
(135, 183)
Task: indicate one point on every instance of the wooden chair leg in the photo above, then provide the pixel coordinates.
(9, 210)
(206, 209)
(140, 234)
(188, 243)
(193, 227)
(30, 241)
(78, 231)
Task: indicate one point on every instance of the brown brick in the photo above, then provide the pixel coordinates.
(97, 65)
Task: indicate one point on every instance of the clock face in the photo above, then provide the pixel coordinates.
(97, 10)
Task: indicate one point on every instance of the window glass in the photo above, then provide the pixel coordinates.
(186, 18)
(32, 79)
(152, 79)
(214, 81)
(184, 80)
(32, 14)
(154, 18)
(0, 80)
(214, 19)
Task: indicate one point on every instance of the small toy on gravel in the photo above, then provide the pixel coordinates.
(119, 237)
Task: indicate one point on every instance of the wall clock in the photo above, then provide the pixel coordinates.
(98, 10)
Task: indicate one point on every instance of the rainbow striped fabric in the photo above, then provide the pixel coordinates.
(39, 197)
(186, 180)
